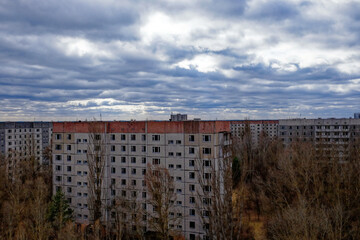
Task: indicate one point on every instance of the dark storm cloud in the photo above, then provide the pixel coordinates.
(214, 59)
(68, 17)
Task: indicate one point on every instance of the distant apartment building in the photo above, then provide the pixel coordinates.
(19, 140)
(178, 117)
(332, 130)
(256, 128)
(332, 136)
(128, 147)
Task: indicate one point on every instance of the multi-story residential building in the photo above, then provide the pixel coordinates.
(339, 131)
(127, 149)
(255, 128)
(19, 140)
(330, 136)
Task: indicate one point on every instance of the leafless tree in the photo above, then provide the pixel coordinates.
(309, 197)
(96, 162)
(218, 204)
(162, 197)
(127, 212)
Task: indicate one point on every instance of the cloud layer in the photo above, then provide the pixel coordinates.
(68, 60)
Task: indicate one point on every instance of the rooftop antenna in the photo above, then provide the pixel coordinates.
(100, 117)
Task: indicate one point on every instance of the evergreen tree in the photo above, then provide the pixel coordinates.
(59, 211)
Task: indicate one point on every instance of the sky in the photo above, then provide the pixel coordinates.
(229, 59)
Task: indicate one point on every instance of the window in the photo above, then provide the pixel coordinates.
(123, 159)
(123, 137)
(192, 212)
(58, 157)
(191, 138)
(133, 194)
(58, 178)
(206, 163)
(143, 171)
(191, 150)
(97, 137)
(171, 154)
(156, 161)
(171, 142)
(206, 150)
(133, 148)
(143, 148)
(57, 136)
(113, 148)
(143, 160)
(133, 159)
(191, 163)
(123, 181)
(133, 171)
(178, 166)
(156, 137)
(192, 225)
(207, 175)
(133, 182)
(206, 201)
(156, 149)
(191, 199)
(68, 147)
(58, 168)
(112, 159)
(171, 165)
(123, 148)
(69, 190)
(68, 136)
(178, 178)
(68, 168)
(206, 138)
(57, 147)
(191, 175)
(191, 187)
(178, 154)
(123, 170)
(112, 137)
(178, 141)
(68, 179)
(113, 170)
(133, 137)
(207, 188)
(143, 137)
(144, 195)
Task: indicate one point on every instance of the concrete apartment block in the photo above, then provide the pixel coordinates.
(257, 127)
(128, 148)
(338, 131)
(19, 140)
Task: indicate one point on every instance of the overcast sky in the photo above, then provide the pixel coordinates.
(258, 59)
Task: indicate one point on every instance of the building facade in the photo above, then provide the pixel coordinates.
(127, 149)
(256, 128)
(338, 131)
(20, 140)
